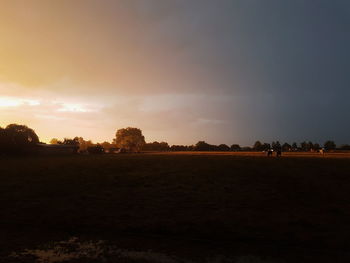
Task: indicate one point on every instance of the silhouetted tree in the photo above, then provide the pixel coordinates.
(258, 146)
(329, 145)
(294, 146)
(17, 138)
(310, 146)
(68, 141)
(307, 146)
(130, 139)
(235, 147)
(202, 146)
(21, 134)
(304, 146)
(180, 148)
(223, 148)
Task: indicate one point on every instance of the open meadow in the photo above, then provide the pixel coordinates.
(191, 205)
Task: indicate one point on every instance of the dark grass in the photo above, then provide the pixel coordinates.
(281, 206)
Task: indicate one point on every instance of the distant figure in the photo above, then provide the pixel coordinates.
(269, 152)
(321, 151)
(278, 153)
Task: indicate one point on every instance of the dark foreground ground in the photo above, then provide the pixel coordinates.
(195, 207)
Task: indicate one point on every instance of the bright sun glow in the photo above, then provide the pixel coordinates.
(15, 102)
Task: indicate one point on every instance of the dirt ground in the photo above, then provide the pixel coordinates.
(193, 206)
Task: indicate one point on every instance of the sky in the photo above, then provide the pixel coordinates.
(182, 71)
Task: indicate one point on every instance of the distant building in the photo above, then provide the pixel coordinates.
(56, 149)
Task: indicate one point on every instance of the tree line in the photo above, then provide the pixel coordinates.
(305, 146)
(20, 139)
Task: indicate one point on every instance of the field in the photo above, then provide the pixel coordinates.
(192, 206)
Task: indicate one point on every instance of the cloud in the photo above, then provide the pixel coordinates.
(15, 102)
(180, 70)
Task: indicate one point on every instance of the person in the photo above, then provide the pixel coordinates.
(278, 153)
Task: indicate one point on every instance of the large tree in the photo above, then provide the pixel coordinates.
(203, 146)
(17, 138)
(130, 139)
(22, 135)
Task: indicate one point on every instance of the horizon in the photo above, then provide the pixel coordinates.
(299, 144)
(224, 72)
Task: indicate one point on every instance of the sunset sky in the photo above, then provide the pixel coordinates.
(182, 71)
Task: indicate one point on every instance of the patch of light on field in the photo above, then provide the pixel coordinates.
(73, 249)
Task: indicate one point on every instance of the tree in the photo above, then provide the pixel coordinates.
(235, 147)
(82, 145)
(258, 146)
(286, 147)
(156, 146)
(304, 146)
(68, 141)
(55, 141)
(15, 139)
(223, 148)
(130, 139)
(310, 146)
(316, 147)
(202, 146)
(181, 148)
(106, 145)
(266, 146)
(294, 146)
(20, 137)
(307, 146)
(329, 145)
(276, 146)
(21, 134)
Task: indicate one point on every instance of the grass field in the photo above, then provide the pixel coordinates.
(191, 205)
